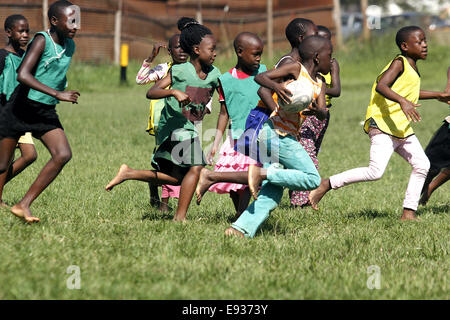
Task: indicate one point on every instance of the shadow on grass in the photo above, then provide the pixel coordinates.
(368, 213)
(158, 215)
(434, 209)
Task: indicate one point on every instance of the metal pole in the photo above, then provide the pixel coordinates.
(270, 29)
(44, 14)
(117, 32)
(337, 23)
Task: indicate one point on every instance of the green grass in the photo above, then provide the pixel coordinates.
(127, 250)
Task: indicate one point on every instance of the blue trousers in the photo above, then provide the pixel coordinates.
(299, 173)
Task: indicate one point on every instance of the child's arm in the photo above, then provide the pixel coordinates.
(29, 63)
(335, 90)
(146, 74)
(441, 96)
(158, 90)
(384, 88)
(272, 80)
(222, 122)
(318, 107)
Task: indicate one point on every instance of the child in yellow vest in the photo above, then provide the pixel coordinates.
(148, 75)
(388, 122)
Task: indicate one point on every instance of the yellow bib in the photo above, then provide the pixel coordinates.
(327, 78)
(388, 114)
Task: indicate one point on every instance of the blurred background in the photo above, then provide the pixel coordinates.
(107, 24)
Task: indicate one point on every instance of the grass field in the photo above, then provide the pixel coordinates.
(126, 249)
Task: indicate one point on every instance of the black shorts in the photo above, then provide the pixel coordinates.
(21, 115)
(438, 150)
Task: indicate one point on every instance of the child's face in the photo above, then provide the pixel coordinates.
(250, 54)
(65, 23)
(206, 50)
(176, 52)
(416, 46)
(19, 33)
(325, 59)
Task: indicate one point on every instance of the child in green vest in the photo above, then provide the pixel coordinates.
(146, 75)
(179, 157)
(238, 95)
(42, 78)
(388, 123)
(17, 29)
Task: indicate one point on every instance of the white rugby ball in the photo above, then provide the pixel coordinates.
(302, 95)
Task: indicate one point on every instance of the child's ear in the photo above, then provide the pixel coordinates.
(404, 46)
(316, 58)
(53, 20)
(239, 51)
(8, 32)
(196, 49)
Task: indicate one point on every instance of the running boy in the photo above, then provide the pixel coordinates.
(388, 122)
(42, 78)
(278, 137)
(17, 29)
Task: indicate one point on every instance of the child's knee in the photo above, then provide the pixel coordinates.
(422, 166)
(374, 173)
(63, 156)
(30, 157)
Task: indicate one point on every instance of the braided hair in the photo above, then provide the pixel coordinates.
(192, 33)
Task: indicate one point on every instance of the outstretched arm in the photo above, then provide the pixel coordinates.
(29, 63)
(335, 90)
(222, 122)
(441, 96)
(384, 88)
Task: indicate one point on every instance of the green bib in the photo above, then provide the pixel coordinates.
(52, 68)
(177, 121)
(8, 78)
(241, 96)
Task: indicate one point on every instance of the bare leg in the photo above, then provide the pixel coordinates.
(441, 178)
(235, 198)
(126, 173)
(154, 196)
(7, 147)
(244, 199)
(316, 195)
(164, 207)
(208, 178)
(256, 176)
(187, 190)
(27, 157)
(56, 143)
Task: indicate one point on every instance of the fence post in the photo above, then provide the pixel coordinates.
(117, 32)
(337, 22)
(366, 31)
(44, 14)
(270, 29)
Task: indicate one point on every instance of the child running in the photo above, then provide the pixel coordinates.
(438, 152)
(278, 137)
(17, 29)
(237, 95)
(179, 157)
(388, 122)
(42, 78)
(148, 75)
(313, 129)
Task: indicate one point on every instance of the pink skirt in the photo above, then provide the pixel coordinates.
(231, 161)
(169, 191)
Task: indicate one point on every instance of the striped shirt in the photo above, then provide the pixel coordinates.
(286, 123)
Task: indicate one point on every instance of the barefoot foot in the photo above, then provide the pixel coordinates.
(204, 182)
(179, 218)
(233, 232)
(409, 214)
(316, 195)
(24, 213)
(254, 180)
(119, 178)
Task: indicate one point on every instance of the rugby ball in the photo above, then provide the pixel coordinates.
(302, 95)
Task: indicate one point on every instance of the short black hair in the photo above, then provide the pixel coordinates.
(12, 19)
(56, 8)
(297, 28)
(310, 45)
(169, 44)
(325, 30)
(192, 33)
(403, 34)
(243, 36)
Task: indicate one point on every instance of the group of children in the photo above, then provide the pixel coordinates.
(267, 148)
